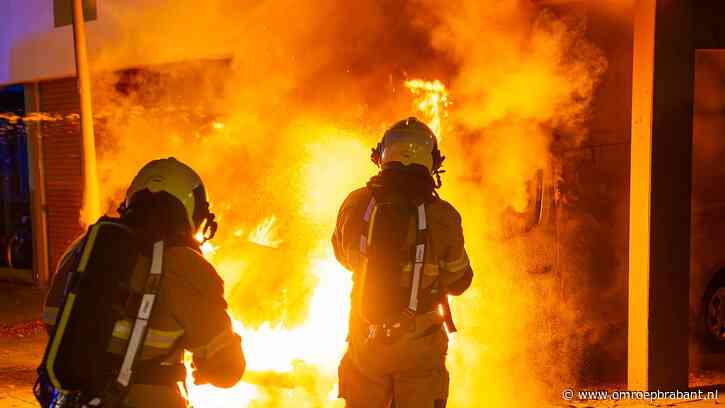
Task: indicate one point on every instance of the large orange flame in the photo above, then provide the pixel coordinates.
(301, 362)
(283, 124)
(431, 100)
(296, 361)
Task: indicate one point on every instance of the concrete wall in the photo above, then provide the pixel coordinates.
(31, 48)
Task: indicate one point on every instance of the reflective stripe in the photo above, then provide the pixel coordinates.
(457, 265)
(422, 222)
(369, 210)
(419, 253)
(124, 376)
(88, 248)
(219, 342)
(415, 288)
(50, 315)
(52, 352)
(371, 225)
(361, 284)
(365, 239)
(140, 327)
(161, 339)
(58, 335)
(429, 269)
(147, 302)
(419, 259)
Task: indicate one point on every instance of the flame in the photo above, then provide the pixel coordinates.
(431, 100)
(207, 248)
(292, 365)
(266, 233)
(295, 125)
(303, 360)
(280, 353)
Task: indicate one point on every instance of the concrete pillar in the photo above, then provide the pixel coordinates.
(37, 188)
(660, 184)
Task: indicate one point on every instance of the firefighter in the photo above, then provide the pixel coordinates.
(404, 246)
(167, 200)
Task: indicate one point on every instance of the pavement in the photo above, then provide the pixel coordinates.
(20, 303)
(19, 357)
(22, 340)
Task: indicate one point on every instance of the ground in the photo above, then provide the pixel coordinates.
(19, 357)
(23, 338)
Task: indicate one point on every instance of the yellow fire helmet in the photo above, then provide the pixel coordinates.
(408, 142)
(183, 183)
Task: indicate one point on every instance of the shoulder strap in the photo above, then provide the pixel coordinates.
(367, 230)
(418, 262)
(70, 292)
(141, 325)
(140, 328)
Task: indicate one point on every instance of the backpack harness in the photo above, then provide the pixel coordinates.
(389, 332)
(49, 390)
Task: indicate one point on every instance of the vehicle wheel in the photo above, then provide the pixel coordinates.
(713, 312)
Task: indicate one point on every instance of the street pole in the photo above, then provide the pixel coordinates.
(91, 206)
(38, 208)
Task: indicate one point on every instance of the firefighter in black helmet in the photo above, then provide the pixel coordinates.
(404, 246)
(167, 200)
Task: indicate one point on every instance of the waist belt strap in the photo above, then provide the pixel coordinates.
(158, 374)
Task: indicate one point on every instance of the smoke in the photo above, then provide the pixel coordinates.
(276, 104)
(523, 74)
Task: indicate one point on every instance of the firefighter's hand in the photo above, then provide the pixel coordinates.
(434, 319)
(199, 377)
(223, 369)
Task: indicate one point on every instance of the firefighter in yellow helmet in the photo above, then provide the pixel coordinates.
(167, 200)
(404, 246)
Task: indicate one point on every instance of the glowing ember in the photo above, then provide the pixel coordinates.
(431, 100)
(266, 233)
